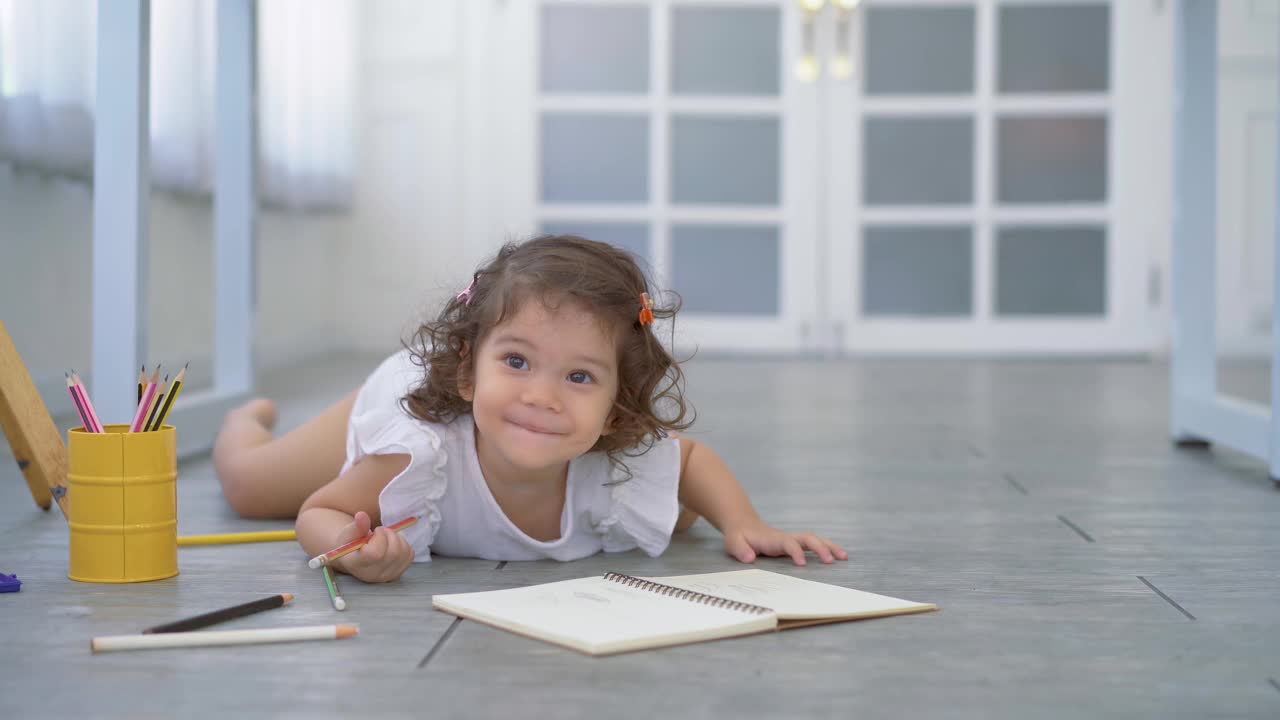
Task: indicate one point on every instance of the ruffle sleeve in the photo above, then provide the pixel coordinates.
(417, 490)
(642, 510)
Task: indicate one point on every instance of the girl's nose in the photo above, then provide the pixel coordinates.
(541, 393)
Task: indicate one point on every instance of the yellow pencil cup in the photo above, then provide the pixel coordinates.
(122, 504)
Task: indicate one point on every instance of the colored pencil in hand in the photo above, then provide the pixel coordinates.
(221, 637)
(168, 401)
(355, 545)
(223, 615)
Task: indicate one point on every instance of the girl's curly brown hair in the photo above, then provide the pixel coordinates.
(600, 278)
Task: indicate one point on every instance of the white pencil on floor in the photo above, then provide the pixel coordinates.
(221, 637)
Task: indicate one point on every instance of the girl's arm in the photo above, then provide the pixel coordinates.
(345, 509)
(708, 487)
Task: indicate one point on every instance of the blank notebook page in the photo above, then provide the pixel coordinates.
(593, 611)
(791, 598)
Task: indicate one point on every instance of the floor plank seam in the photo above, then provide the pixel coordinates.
(439, 643)
(1016, 485)
(1073, 526)
(1167, 599)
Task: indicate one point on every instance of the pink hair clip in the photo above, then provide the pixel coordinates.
(465, 296)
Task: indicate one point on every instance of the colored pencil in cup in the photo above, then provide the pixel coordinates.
(142, 381)
(331, 583)
(155, 406)
(88, 402)
(148, 396)
(354, 545)
(216, 616)
(112, 643)
(168, 401)
(80, 409)
(240, 537)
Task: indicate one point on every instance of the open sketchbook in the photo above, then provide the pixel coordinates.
(618, 613)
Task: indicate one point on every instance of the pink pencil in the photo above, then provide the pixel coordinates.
(88, 404)
(148, 396)
(84, 414)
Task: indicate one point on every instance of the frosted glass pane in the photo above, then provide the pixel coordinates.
(1055, 48)
(725, 51)
(1051, 271)
(595, 158)
(632, 237)
(725, 160)
(1052, 159)
(917, 271)
(917, 160)
(726, 269)
(919, 50)
(595, 49)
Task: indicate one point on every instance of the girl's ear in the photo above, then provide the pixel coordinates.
(610, 423)
(466, 386)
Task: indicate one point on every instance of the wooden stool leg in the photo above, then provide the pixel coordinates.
(26, 422)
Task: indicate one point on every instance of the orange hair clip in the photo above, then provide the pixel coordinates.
(646, 309)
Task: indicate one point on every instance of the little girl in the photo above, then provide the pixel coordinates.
(525, 422)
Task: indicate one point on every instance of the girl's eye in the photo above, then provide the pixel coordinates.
(580, 377)
(515, 361)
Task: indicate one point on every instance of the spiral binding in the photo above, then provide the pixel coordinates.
(681, 593)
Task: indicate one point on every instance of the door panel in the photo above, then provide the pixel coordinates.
(677, 131)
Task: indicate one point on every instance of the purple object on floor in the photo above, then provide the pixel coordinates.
(9, 583)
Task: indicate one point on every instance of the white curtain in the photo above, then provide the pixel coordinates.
(306, 101)
(306, 62)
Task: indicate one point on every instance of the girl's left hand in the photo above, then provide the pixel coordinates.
(745, 542)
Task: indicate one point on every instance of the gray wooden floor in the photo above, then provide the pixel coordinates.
(1083, 566)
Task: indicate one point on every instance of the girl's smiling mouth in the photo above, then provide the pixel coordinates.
(532, 427)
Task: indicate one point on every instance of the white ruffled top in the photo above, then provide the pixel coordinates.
(458, 515)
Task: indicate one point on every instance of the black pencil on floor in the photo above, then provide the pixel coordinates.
(223, 615)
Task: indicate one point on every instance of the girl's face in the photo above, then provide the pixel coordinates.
(544, 383)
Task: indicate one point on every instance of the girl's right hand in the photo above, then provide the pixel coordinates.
(384, 558)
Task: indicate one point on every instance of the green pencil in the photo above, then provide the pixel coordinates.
(332, 583)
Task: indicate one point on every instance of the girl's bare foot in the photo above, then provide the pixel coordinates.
(262, 410)
(244, 428)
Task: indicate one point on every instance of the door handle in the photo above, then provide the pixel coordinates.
(807, 66)
(842, 63)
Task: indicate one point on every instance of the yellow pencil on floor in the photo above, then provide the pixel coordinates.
(238, 537)
(112, 643)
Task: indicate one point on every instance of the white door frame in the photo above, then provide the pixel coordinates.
(1198, 412)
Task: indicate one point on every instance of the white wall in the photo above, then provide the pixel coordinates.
(402, 252)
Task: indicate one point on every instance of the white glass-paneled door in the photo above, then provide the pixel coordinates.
(979, 160)
(677, 130)
(843, 177)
